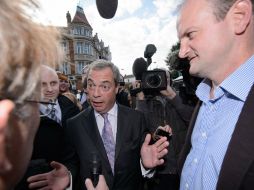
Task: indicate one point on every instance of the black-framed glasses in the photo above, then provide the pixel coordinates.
(30, 100)
(50, 107)
(41, 102)
(50, 104)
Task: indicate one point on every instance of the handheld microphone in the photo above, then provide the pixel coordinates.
(96, 169)
(107, 8)
(139, 67)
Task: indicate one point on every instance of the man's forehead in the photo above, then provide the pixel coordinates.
(101, 72)
(49, 77)
(187, 16)
(101, 75)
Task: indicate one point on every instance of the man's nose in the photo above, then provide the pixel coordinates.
(97, 91)
(49, 88)
(184, 49)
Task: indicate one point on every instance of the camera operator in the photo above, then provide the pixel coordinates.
(163, 110)
(122, 96)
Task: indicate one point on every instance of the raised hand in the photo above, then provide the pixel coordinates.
(151, 155)
(57, 179)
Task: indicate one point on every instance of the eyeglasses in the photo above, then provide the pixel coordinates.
(50, 104)
(41, 102)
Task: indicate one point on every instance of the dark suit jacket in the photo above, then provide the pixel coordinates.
(49, 142)
(84, 137)
(237, 170)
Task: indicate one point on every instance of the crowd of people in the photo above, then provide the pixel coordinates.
(49, 137)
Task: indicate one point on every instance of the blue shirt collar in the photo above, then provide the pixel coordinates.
(237, 84)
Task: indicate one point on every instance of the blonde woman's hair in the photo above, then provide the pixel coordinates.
(24, 46)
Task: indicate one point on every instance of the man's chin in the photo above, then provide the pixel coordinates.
(193, 71)
(98, 109)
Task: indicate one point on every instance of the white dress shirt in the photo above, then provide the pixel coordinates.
(112, 117)
(58, 111)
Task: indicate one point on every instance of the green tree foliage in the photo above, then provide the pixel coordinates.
(171, 55)
(172, 60)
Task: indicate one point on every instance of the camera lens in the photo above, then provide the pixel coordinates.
(153, 80)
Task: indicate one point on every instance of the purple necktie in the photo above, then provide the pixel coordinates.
(108, 141)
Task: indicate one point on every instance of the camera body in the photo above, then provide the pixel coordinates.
(161, 133)
(154, 80)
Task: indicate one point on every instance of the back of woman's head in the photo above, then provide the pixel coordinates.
(24, 46)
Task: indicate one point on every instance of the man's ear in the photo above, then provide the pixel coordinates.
(242, 15)
(6, 106)
(117, 88)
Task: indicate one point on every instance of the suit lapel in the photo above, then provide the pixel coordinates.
(240, 154)
(93, 132)
(122, 122)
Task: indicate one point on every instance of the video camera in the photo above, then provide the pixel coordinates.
(152, 81)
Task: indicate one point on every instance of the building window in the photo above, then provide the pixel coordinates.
(83, 48)
(79, 48)
(65, 68)
(87, 49)
(64, 46)
(88, 33)
(79, 30)
(82, 32)
(79, 67)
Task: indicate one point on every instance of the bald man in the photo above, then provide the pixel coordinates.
(49, 142)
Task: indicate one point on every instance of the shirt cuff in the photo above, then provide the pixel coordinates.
(70, 185)
(146, 173)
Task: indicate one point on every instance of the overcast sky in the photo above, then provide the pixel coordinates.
(136, 24)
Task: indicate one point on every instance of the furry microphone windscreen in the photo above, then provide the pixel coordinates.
(107, 8)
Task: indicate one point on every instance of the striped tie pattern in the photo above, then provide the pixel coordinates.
(52, 114)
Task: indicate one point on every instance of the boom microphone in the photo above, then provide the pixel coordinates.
(149, 51)
(107, 8)
(139, 66)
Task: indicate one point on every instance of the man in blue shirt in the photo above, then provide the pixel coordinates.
(217, 38)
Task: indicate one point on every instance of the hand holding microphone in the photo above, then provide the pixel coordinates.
(95, 169)
(97, 181)
(100, 186)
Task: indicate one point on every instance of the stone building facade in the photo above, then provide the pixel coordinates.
(81, 47)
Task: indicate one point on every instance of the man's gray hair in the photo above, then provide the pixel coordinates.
(221, 7)
(102, 64)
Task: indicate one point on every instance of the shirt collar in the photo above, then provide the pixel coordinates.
(240, 82)
(243, 78)
(112, 111)
(43, 107)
